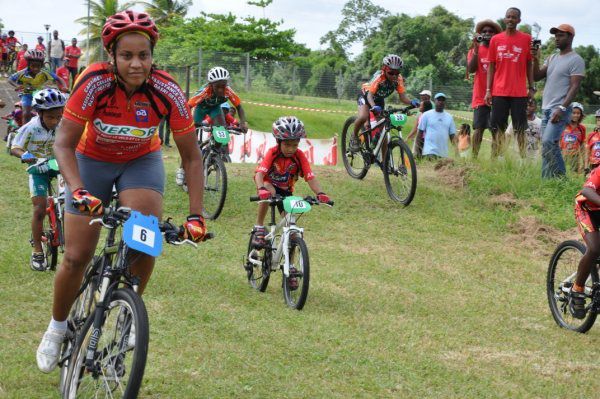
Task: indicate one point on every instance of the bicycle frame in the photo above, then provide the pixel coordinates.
(54, 211)
(384, 136)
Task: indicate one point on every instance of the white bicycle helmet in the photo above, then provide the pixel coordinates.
(288, 128)
(393, 61)
(217, 73)
(48, 99)
(597, 113)
(34, 55)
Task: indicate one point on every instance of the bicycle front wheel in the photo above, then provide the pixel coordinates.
(353, 155)
(400, 172)
(215, 186)
(295, 287)
(120, 358)
(562, 271)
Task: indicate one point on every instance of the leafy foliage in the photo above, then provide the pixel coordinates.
(164, 10)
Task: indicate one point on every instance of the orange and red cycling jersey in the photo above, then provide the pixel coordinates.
(572, 139)
(593, 146)
(117, 128)
(206, 98)
(381, 88)
(281, 171)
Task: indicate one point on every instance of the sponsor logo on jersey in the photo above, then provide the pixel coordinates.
(141, 115)
(131, 131)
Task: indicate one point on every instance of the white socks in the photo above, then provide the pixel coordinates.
(58, 325)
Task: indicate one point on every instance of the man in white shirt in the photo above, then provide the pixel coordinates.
(56, 51)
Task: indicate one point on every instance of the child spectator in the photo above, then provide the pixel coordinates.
(572, 140)
(533, 133)
(592, 154)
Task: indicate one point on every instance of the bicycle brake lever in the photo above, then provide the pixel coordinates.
(101, 221)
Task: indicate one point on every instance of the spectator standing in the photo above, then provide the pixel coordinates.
(478, 62)
(508, 73)
(56, 51)
(564, 72)
(440, 127)
(572, 140)
(592, 147)
(40, 44)
(72, 54)
(533, 134)
(419, 138)
(21, 61)
(425, 95)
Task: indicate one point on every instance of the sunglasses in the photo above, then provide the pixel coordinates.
(394, 72)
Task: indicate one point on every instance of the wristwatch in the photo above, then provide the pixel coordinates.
(562, 108)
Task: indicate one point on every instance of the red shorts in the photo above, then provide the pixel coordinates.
(587, 221)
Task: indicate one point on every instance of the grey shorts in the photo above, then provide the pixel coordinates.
(98, 177)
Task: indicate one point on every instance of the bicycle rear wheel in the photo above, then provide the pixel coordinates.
(354, 159)
(120, 358)
(561, 276)
(258, 266)
(295, 295)
(215, 186)
(400, 172)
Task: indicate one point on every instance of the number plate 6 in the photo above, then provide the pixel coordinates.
(141, 232)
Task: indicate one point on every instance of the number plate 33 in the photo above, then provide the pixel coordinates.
(141, 232)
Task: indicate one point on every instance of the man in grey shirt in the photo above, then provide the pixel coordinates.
(564, 72)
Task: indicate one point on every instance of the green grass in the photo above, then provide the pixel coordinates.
(438, 299)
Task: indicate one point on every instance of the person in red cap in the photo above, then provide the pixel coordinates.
(478, 62)
(564, 72)
(506, 88)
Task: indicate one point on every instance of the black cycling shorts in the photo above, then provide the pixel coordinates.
(362, 100)
(516, 107)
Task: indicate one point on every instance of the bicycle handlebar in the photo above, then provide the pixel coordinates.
(112, 217)
(278, 199)
(404, 110)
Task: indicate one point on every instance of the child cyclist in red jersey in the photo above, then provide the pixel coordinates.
(109, 136)
(373, 94)
(587, 214)
(279, 170)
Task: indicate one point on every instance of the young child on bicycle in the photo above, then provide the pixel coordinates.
(33, 78)
(33, 141)
(572, 140)
(207, 102)
(372, 96)
(279, 170)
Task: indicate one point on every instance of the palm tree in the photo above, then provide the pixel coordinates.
(100, 10)
(163, 10)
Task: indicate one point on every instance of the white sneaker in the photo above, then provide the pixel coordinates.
(49, 349)
(179, 177)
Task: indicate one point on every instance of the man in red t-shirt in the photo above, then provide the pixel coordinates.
(478, 62)
(508, 73)
(72, 54)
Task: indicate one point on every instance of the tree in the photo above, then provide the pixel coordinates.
(359, 22)
(164, 10)
(99, 12)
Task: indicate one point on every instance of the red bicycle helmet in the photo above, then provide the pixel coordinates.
(128, 21)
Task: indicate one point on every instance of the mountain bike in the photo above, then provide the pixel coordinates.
(382, 144)
(285, 249)
(53, 238)
(106, 345)
(215, 152)
(562, 271)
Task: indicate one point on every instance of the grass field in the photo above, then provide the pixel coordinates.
(442, 299)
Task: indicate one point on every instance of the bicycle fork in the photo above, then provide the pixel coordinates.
(96, 326)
